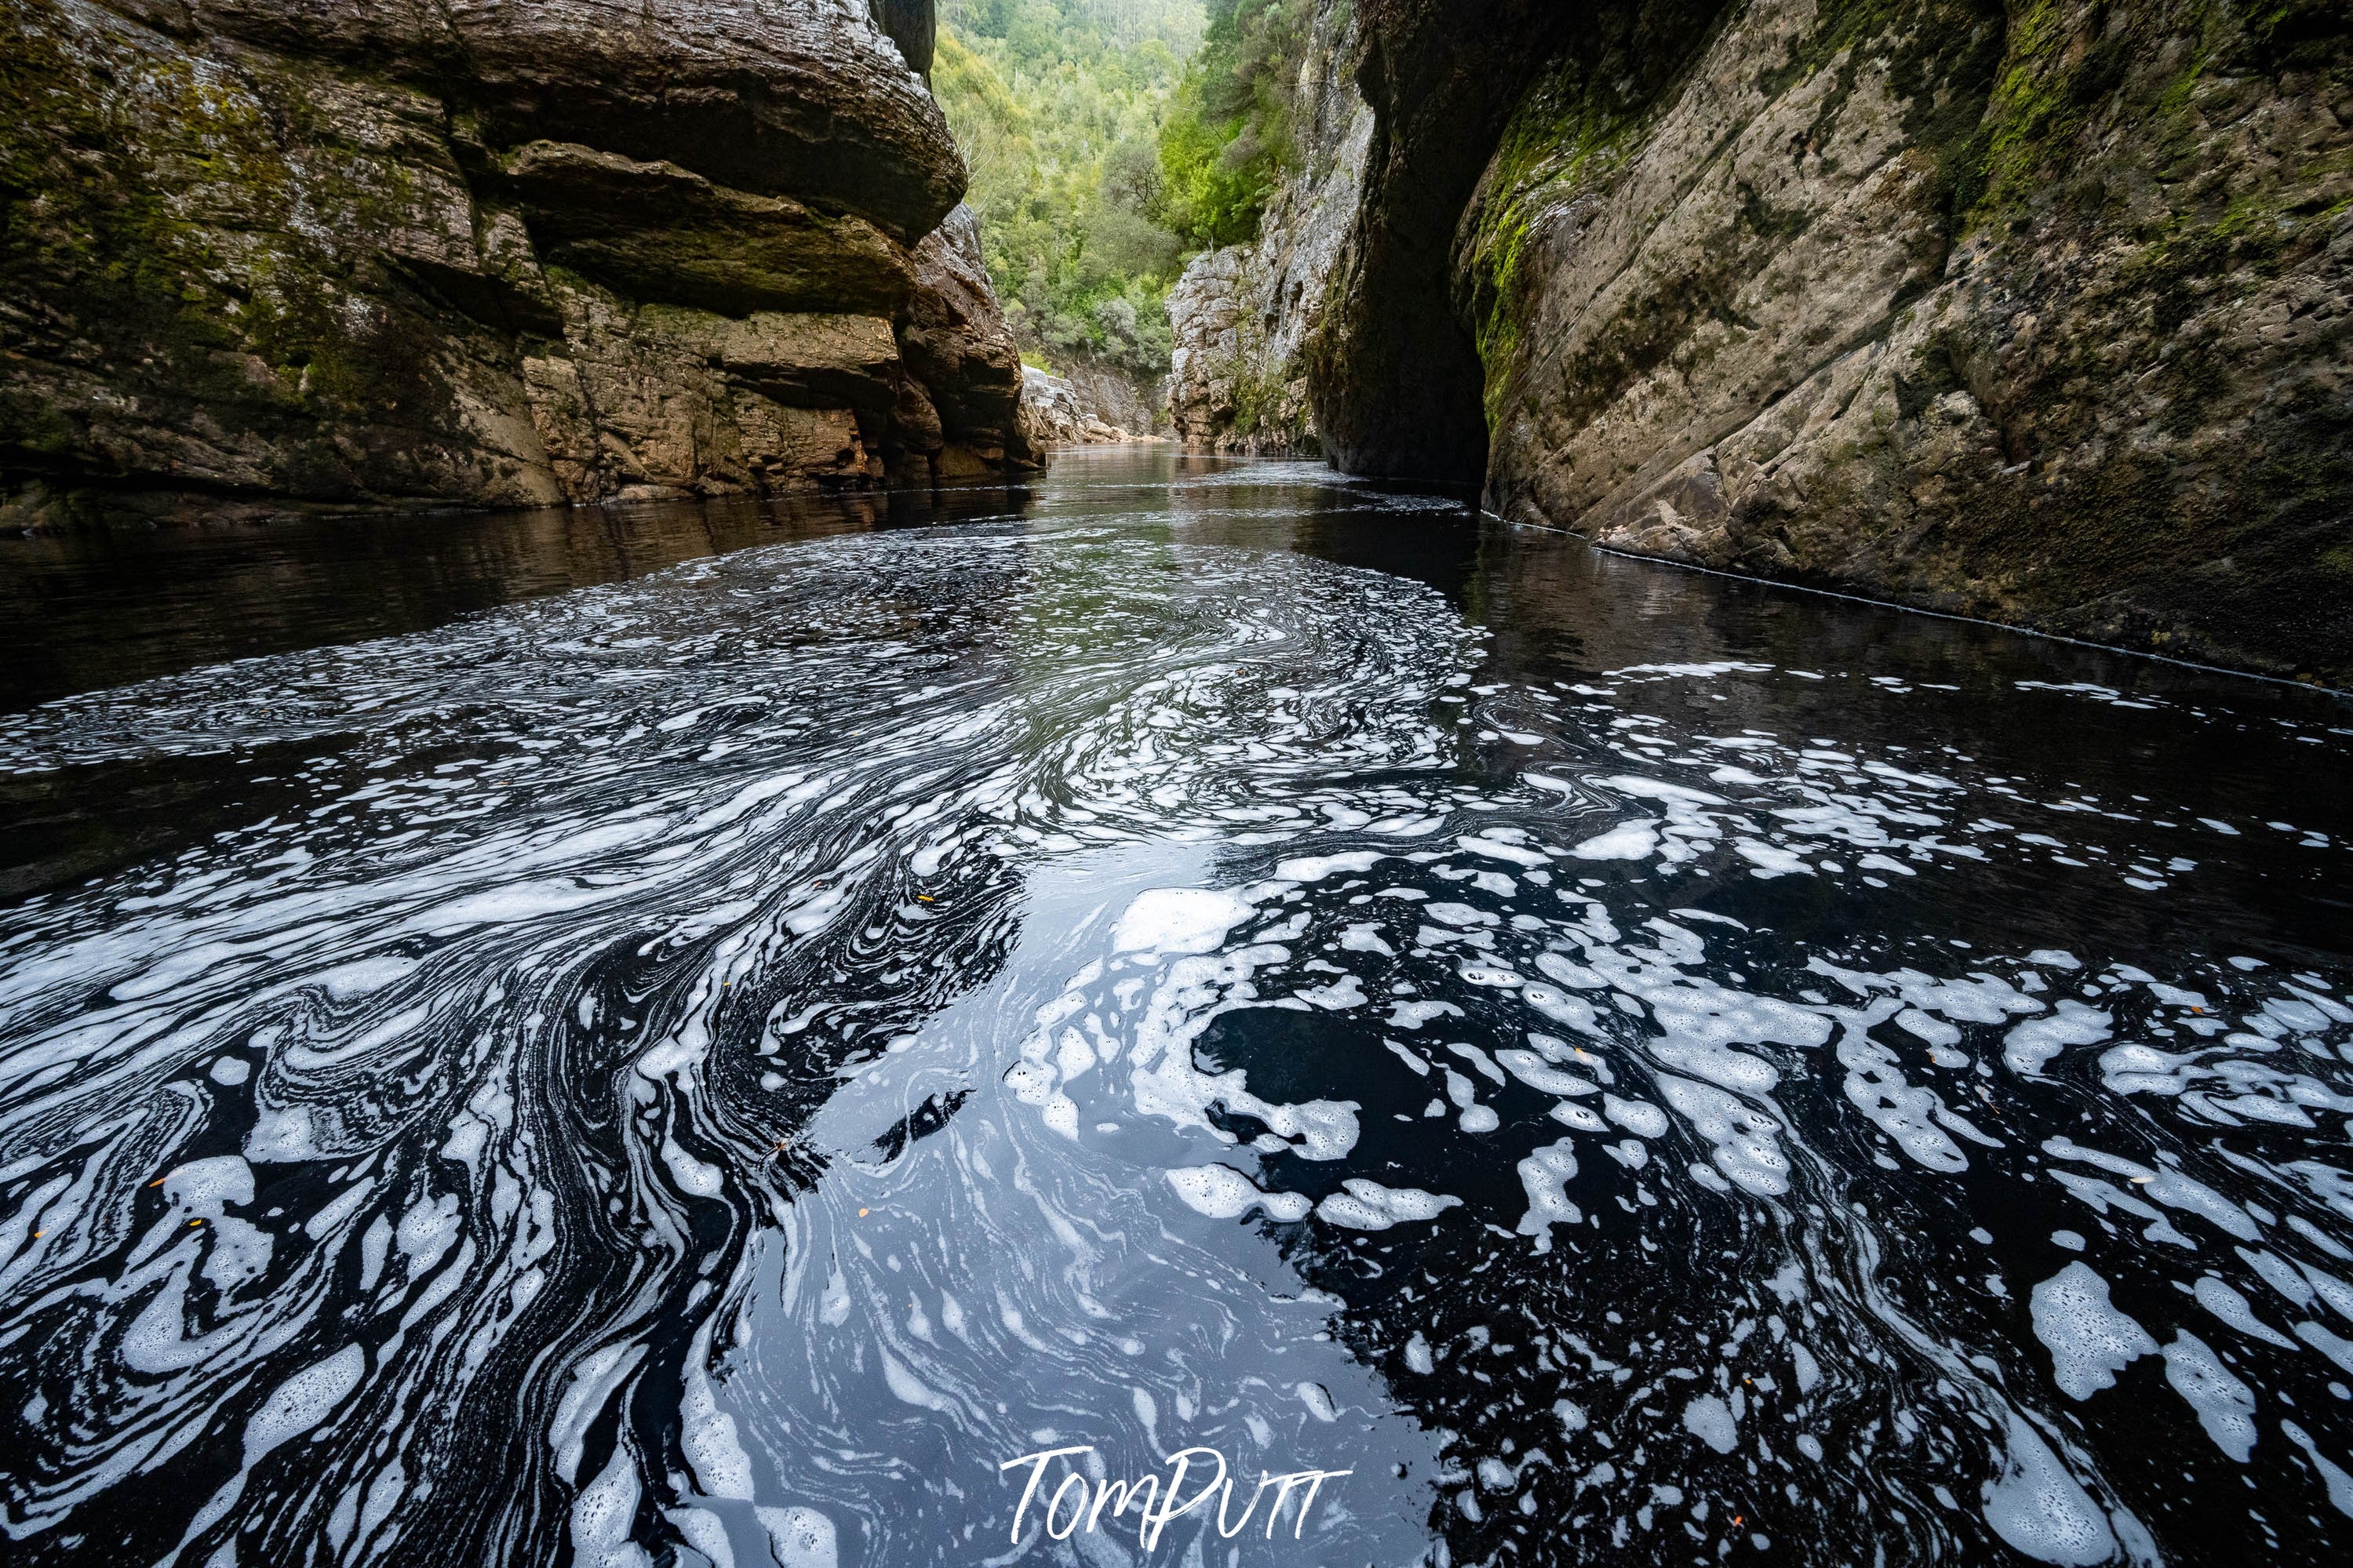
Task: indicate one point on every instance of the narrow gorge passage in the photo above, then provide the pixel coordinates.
(708, 1067)
(868, 783)
(2037, 313)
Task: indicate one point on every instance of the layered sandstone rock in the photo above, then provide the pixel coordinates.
(482, 251)
(962, 357)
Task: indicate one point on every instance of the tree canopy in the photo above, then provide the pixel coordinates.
(1108, 141)
(1227, 140)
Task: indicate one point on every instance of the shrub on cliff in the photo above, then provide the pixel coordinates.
(1228, 140)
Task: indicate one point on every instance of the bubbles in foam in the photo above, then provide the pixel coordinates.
(731, 1059)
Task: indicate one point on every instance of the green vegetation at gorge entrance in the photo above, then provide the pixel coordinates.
(1058, 105)
(1108, 141)
(1227, 141)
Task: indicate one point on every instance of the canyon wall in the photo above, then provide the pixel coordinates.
(2030, 310)
(1115, 395)
(481, 252)
(1085, 401)
(2038, 312)
(1056, 412)
(1241, 315)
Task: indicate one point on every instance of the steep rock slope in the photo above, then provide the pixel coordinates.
(1056, 413)
(2036, 309)
(1116, 396)
(477, 252)
(1243, 315)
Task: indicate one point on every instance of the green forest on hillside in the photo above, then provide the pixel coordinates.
(1109, 140)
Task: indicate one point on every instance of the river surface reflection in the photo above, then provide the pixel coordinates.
(697, 1035)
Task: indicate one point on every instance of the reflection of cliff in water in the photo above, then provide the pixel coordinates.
(716, 1063)
(105, 607)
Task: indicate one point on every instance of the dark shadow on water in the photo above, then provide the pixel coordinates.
(105, 607)
(102, 608)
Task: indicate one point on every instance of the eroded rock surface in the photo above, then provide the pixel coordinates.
(1054, 414)
(1115, 393)
(2040, 313)
(2036, 309)
(956, 344)
(1243, 316)
(480, 252)
(1441, 76)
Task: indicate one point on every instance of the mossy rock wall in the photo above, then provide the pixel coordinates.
(244, 261)
(1243, 317)
(2033, 309)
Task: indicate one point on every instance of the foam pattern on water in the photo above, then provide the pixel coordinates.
(719, 1064)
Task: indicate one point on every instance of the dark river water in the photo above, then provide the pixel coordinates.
(855, 1035)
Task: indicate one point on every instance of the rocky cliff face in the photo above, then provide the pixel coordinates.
(2036, 309)
(480, 252)
(1441, 76)
(1115, 395)
(1243, 316)
(1055, 413)
(2040, 313)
